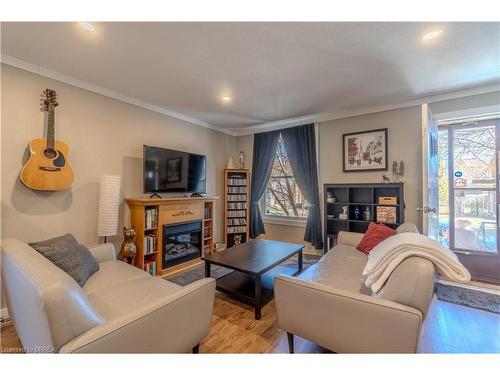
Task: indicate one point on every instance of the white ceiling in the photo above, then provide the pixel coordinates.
(272, 71)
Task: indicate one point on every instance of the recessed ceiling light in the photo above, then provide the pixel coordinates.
(432, 35)
(87, 26)
(226, 98)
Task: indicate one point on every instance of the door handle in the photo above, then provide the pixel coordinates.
(426, 209)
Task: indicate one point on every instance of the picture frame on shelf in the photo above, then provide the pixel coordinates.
(365, 151)
(386, 214)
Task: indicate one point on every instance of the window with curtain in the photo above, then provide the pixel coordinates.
(283, 198)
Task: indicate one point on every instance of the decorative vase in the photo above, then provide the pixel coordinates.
(356, 213)
(230, 164)
(366, 214)
(242, 160)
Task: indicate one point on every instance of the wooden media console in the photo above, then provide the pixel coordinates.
(150, 215)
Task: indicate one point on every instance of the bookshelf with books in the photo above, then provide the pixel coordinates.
(208, 227)
(147, 240)
(236, 206)
(150, 267)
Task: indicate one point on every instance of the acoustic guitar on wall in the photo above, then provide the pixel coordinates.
(48, 167)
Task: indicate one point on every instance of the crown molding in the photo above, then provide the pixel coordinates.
(36, 69)
(336, 115)
(486, 111)
(280, 124)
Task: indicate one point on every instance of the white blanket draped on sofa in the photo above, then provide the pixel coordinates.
(386, 256)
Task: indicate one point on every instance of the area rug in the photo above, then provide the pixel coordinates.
(476, 299)
(198, 273)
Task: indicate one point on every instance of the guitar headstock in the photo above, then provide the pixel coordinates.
(48, 100)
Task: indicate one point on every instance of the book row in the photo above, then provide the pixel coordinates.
(240, 229)
(237, 206)
(237, 213)
(236, 190)
(150, 218)
(237, 181)
(149, 244)
(237, 198)
(150, 268)
(236, 221)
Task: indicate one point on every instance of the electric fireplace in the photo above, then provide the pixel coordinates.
(181, 242)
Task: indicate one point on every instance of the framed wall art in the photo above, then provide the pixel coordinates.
(365, 151)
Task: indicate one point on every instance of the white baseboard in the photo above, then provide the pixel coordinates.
(4, 316)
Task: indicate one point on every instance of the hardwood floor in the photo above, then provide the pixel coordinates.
(235, 330)
(449, 328)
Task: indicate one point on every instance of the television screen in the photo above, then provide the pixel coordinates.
(171, 171)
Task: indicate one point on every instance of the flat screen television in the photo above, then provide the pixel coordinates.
(172, 171)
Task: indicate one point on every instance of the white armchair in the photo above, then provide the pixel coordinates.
(119, 309)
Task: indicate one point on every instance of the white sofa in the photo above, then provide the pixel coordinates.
(330, 305)
(119, 309)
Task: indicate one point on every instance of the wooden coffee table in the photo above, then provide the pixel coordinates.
(255, 264)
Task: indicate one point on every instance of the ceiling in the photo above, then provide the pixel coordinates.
(272, 71)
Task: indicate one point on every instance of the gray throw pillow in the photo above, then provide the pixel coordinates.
(70, 256)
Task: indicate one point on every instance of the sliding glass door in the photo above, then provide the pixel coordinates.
(469, 194)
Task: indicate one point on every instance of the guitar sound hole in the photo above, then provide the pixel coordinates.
(50, 153)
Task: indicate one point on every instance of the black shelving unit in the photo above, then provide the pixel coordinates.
(361, 196)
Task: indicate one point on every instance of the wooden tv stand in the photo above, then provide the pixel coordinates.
(162, 211)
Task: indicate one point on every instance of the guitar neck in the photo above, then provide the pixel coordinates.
(51, 129)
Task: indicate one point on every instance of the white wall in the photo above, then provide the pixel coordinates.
(105, 136)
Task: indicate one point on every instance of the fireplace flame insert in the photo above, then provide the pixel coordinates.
(181, 242)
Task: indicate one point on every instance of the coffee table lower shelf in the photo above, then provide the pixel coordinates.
(241, 286)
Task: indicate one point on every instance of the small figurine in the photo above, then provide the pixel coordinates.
(330, 198)
(343, 215)
(242, 160)
(230, 164)
(385, 179)
(128, 249)
(237, 240)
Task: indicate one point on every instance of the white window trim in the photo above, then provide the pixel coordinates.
(280, 220)
(290, 222)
